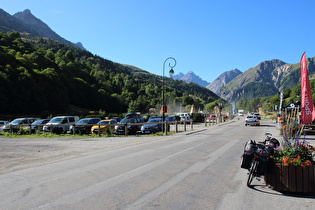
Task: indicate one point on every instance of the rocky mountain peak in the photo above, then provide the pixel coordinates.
(26, 22)
(222, 80)
(191, 77)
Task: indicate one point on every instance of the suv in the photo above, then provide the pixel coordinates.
(60, 124)
(16, 124)
(84, 125)
(129, 119)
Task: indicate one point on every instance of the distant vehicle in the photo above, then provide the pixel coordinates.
(211, 118)
(185, 118)
(60, 124)
(154, 117)
(17, 123)
(152, 126)
(251, 120)
(170, 119)
(2, 123)
(240, 113)
(103, 125)
(118, 119)
(130, 118)
(83, 126)
(38, 125)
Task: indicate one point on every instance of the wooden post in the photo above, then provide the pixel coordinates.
(176, 127)
(126, 130)
(165, 124)
(73, 129)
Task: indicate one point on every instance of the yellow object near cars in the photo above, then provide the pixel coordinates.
(103, 125)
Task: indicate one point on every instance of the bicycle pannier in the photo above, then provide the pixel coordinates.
(248, 154)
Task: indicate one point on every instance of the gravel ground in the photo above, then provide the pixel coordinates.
(22, 153)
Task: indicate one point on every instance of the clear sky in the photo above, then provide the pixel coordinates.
(204, 36)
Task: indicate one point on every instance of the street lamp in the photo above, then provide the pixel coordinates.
(171, 72)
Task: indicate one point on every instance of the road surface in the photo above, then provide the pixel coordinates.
(199, 169)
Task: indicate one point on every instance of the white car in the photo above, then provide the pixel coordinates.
(2, 123)
(252, 120)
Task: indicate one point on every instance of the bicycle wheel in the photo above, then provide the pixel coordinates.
(251, 172)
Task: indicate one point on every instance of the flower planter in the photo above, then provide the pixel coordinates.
(295, 179)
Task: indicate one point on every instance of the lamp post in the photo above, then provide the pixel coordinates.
(171, 72)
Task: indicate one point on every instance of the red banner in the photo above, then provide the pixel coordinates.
(308, 110)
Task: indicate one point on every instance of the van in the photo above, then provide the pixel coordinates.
(60, 124)
(16, 124)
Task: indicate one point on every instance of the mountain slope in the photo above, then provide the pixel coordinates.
(266, 79)
(223, 80)
(26, 22)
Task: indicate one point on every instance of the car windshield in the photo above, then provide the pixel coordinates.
(56, 120)
(104, 122)
(38, 122)
(127, 120)
(83, 121)
(154, 120)
(250, 116)
(15, 122)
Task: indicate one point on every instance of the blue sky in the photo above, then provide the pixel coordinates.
(204, 36)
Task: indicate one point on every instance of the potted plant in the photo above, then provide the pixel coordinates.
(291, 168)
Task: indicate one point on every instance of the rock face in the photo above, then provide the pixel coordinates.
(223, 80)
(266, 79)
(191, 77)
(26, 22)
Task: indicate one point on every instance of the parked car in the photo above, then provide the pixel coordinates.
(212, 117)
(154, 117)
(60, 124)
(130, 118)
(104, 125)
(152, 126)
(16, 124)
(251, 120)
(2, 123)
(170, 119)
(118, 119)
(38, 125)
(83, 126)
(185, 118)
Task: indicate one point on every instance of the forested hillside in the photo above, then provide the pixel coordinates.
(41, 76)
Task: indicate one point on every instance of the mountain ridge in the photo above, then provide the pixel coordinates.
(26, 22)
(191, 77)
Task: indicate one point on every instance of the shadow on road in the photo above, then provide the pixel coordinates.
(265, 189)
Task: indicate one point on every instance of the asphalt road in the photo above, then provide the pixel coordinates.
(198, 169)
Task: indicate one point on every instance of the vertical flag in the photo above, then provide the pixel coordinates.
(234, 112)
(308, 110)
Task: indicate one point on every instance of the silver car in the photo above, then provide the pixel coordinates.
(252, 120)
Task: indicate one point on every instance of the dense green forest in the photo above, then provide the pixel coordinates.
(42, 77)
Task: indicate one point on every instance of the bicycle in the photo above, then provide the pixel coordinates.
(261, 152)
